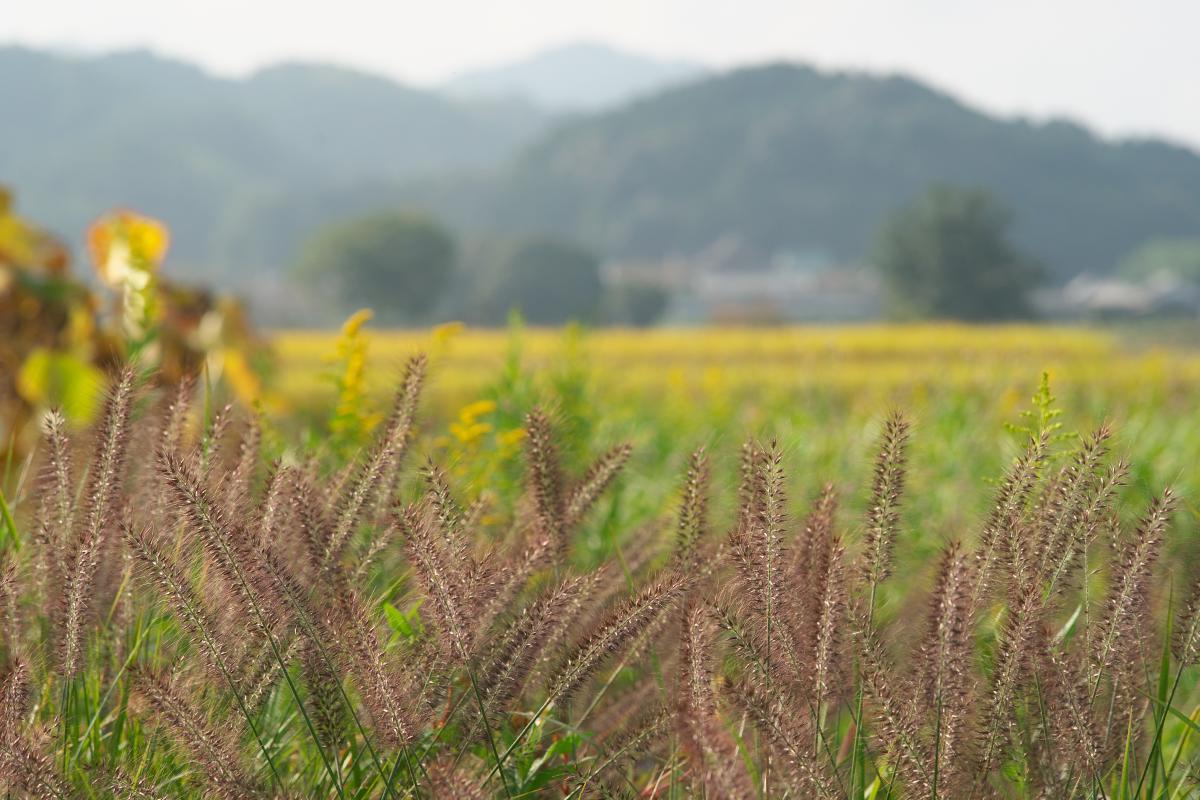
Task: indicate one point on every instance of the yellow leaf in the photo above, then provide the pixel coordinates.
(52, 379)
(240, 377)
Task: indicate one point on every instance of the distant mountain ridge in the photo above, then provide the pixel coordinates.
(780, 157)
(583, 76)
(85, 134)
(787, 157)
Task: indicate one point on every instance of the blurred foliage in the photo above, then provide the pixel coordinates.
(353, 416)
(1176, 258)
(239, 169)
(636, 304)
(398, 263)
(948, 256)
(822, 390)
(550, 281)
(59, 336)
(127, 250)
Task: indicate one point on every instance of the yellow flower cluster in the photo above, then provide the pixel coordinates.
(469, 428)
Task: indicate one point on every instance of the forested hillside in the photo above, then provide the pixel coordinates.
(789, 157)
(206, 154)
(783, 157)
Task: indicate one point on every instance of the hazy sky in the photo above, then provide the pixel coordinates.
(1122, 66)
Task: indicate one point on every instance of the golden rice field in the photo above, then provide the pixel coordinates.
(706, 367)
(821, 390)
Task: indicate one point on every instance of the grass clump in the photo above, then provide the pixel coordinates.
(186, 617)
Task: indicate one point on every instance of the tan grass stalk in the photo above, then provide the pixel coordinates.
(811, 545)
(314, 526)
(630, 741)
(1090, 515)
(260, 674)
(896, 719)
(788, 733)
(395, 719)
(10, 622)
(1005, 517)
(16, 692)
(209, 448)
(100, 501)
(524, 643)
(598, 478)
(883, 511)
(1130, 582)
(1076, 746)
(239, 563)
(829, 619)
(582, 609)
(161, 569)
(702, 735)
(750, 488)
(213, 751)
(277, 512)
(479, 508)
(1185, 639)
(545, 477)
(1013, 661)
(448, 780)
(402, 423)
(747, 640)
(238, 486)
(515, 573)
(613, 634)
(375, 479)
(173, 425)
(56, 515)
(442, 576)
(692, 528)
(623, 708)
(324, 697)
(27, 771)
(945, 661)
(756, 548)
(170, 436)
(126, 787)
(473, 578)
(1077, 501)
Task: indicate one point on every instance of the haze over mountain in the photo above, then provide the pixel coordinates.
(574, 77)
(783, 157)
(788, 157)
(85, 134)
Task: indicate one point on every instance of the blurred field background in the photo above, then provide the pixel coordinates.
(823, 391)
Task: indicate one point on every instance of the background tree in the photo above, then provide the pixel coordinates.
(551, 281)
(635, 304)
(397, 263)
(948, 255)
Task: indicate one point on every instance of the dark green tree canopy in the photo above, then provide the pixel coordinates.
(948, 255)
(397, 263)
(550, 281)
(635, 304)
